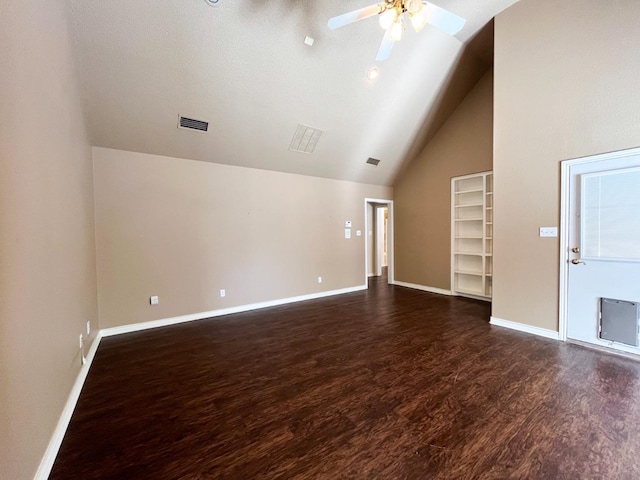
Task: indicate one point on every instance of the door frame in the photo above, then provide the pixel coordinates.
(380, 234)
(565, 200)
(390, 256)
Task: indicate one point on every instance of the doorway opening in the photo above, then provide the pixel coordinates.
(379, 238)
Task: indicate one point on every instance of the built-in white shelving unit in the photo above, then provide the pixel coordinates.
(472, 235)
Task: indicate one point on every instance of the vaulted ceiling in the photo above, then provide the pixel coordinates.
(243, 66)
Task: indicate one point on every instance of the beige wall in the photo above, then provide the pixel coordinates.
(422, 210)
(566, 86)
(184, 229)
(47, 250)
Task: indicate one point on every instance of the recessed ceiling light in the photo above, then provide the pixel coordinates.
(308, 41)
(373, 73)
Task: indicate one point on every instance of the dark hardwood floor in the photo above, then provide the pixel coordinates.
(389, 383)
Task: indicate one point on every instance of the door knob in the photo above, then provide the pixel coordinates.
(575, 249)
(576, 261)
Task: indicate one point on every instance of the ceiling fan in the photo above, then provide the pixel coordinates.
(391, 13)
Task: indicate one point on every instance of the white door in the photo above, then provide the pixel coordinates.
(603, 244)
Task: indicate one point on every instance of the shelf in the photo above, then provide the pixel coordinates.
(467, 272)
(472, 234)
(470, 292)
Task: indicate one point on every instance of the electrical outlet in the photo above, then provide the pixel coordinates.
(83, 359)
(548, 231)
(88, 327)
(154, 300)
(223, 292)
(319, 279)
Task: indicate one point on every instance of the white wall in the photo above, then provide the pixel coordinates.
(184, 229)
(47, 249)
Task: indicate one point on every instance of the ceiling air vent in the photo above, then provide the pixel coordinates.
(373, 161)
(305, 139)
(192, 124)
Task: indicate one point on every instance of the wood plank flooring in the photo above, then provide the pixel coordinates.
(389, 383)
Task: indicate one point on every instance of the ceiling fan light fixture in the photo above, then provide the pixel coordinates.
(395, 31)
(413, 6)
(387, 18)
(418, 20)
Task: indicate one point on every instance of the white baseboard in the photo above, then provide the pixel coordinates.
(541, 332)
(46, 464)
(424, 288)
(135, 327)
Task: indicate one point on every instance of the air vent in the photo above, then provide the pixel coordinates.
(373, 161)
(305, 139)
(192, 124)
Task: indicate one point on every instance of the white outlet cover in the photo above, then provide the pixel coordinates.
(223, 292)
(319, 279)
(88, 327)
(358, 233)
(154, 300)
(548, 231)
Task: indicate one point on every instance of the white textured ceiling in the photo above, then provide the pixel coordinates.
(242, 65)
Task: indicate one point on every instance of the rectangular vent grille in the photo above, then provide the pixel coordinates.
(373, 161)
(305, 139)
(193, 124)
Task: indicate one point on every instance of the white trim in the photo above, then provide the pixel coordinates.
(440, 291)
(50, 454)
(541, 332)
(390, 239)
(634, 355)
(135, 327)
(565, 201)
(472, 296)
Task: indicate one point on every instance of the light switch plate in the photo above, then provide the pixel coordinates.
(548, 231)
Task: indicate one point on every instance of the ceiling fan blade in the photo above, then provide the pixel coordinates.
(351, 17)
(385, 48)
(443, 19)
